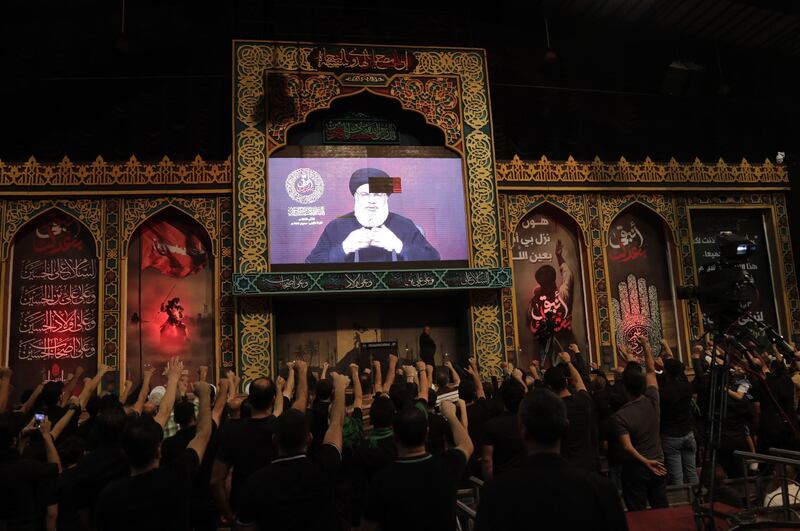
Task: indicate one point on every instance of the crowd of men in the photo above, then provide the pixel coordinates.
(380, 447)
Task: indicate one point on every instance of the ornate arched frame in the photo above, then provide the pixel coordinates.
(515, 208)
(448, 86)
(784, 279)
(214, 216)
(17, 214)
(661, 206)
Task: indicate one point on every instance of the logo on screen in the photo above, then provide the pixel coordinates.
(304, 186)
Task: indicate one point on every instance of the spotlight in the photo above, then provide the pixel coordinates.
(780, 157)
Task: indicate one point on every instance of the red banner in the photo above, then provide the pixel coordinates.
(172, 251)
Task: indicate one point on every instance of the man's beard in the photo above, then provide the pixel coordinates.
(370, 219)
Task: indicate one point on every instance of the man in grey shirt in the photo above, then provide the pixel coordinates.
(636, 424)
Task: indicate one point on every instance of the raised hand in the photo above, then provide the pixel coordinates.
(174, 368)
(565, 357)
(201, 389)
(697, 351)
(573, 348)
(340, 381)
(45, 426)
(448, 364)
(420, 365)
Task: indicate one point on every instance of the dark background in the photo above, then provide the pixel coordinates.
(74, 83)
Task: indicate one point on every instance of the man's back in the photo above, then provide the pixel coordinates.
(417, 493)
(545, 492)
(247, 446)
(502, 434)
(157, 499)
(23, 483)
(676, 407)
(640, 418)
(579, 445)
(293, 493)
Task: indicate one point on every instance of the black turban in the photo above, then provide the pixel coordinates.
(363, 175)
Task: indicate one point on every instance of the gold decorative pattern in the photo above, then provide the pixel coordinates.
(597, 171)
(487, 331)
(612, 204)
(137, 211)
(519, 205)
(110, 174)
(255, 319)
(435, 98)
(18, 213)
(299, 95)
(255, 63)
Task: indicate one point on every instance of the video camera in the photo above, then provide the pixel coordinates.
(726, 290)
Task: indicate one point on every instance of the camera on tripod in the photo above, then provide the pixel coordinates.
(726, 291)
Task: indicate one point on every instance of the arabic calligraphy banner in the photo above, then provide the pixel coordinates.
(640, 283)
(359, 130)
(706, 226)
(362, 59)
(548, 285)
(170, 299)
(54, 304)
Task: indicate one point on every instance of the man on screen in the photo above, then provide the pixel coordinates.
(370, 233)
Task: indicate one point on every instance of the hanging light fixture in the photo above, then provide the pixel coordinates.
(550, 55)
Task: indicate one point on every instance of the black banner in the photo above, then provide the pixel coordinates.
(749, 223)
(54, 298)
(640, 285)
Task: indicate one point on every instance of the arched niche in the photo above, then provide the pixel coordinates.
(330, 126)
(53, 313)
(640, 260)
(170, 302)
(548, 256)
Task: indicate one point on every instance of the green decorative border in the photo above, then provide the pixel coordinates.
(359, 281)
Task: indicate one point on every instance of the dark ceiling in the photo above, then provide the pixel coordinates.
(80, 79)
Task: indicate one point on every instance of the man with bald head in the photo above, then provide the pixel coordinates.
(370, 233)
(246, 445)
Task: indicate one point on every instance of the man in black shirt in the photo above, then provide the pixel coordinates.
(418, 491)
(637, 428)
(677, 421)
(427, 347)
(247, 445)
(153, 497)
(502, 443)
(479, 411)
(545, 491)
(579, 445)
(203, 512)
(296, 491)
(24, 482)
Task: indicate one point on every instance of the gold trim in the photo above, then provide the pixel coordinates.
(597, 171)
(105, 174)
(678, 187)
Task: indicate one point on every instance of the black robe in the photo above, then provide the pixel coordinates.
(329, 247)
